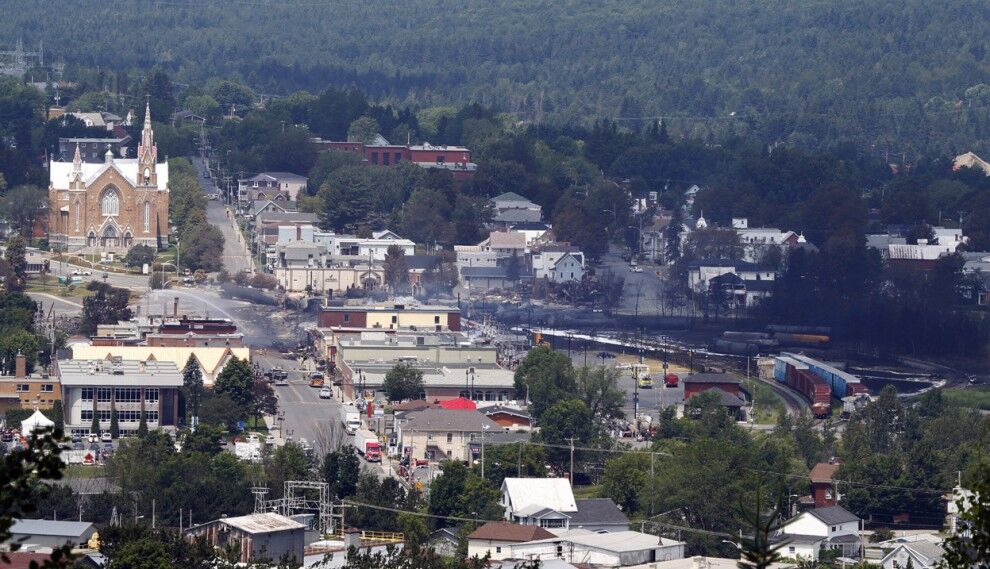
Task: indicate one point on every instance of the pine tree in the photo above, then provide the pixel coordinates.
(142, 429)
(114, 424)
(192, 383)
(95, 427)
(57, 414)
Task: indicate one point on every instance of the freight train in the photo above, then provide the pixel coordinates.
(798, 376)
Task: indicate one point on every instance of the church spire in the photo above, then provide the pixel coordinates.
(147, 135)
(147, 152)
(77, 159)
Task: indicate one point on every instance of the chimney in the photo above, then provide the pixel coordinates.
(175, 307)
(20, 366)
(352, 538)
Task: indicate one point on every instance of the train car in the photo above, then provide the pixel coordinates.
(735, 348)
(790, 329)
(815, 390)
(801, 340)
(839, 381)
(856, 389)
(745, 336)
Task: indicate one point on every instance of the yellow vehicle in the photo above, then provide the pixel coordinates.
(641, 373)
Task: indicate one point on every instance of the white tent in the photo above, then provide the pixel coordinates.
(35, 422)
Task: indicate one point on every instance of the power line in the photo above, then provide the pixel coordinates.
(415, 513)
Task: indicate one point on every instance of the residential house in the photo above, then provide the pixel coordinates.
(619, 549)
(756, 241)
(34, 391)
(274, 186)
(101, 119)
(508, 417)
(701, 272)
(373, 249)
(484, 279)
(920, 554)
(820, 529)
(441, 434)
(535, 231)
(511, 208)
(505, 244)
(268, 206)
(970, 160)
(93, 150)
(558, 262)
(494, 538)
(823, 488)
(330, 280)
(549, 503)
(255, 536)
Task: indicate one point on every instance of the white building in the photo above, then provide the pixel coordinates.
(920, 554)
(364, 248)
(811, 532)
(558, 263)
(701, 272)
(129, 387)
(272, 186)
(620, 549)
(549, 503)
(495, 539)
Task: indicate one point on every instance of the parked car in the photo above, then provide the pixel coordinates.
(325, 393)
(94, 438)
(270, 440)
(76, 438)
(81, 273)
(106, 437)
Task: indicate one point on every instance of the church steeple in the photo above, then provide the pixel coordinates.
(147, 152)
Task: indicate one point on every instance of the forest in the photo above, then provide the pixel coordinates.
(902, 79)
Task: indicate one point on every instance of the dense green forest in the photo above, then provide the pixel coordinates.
(898, 77)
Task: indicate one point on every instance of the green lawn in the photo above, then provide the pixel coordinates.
(80, 471)
(973, 397)
(585, 492)
(768, 405)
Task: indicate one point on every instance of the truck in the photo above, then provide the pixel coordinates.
(316, 379)
(641, 373)
(351, 418)
(367, 445)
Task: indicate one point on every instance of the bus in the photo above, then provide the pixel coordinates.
(316, 379)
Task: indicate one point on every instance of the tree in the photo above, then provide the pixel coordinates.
(114, 423)
(599, 388)
(236, 381)
(341, 469)
(510, 460)
(544, 377)
(289, 462)
(220, 409)
(971, 547)
(347, 196)
(459, 493)
(16, 256)
(396, 269)
(206, 438)
(144, 553)
(403, 382)
(192, 383)
(624, 479)
(757, 548)
(139, 255)
(22, 205)
(363, 129)
(202, 248)
(142, 430)
(512, 268)
(94, 427)
(107, 306)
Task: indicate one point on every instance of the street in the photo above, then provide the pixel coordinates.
(236, 255)
(642, 292)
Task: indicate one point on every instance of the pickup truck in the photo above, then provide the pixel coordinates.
(367, 445)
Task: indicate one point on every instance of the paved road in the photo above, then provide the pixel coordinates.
(62, 306)
(132, 282)
(236, 256)
(642, 292)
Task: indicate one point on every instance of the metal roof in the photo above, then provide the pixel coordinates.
(505, 531)
(834, 515)
(434, 419)
(51, 527)
(616, 541)
(552, 493)
(262, 523)
(121, 373)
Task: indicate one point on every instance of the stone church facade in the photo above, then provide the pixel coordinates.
(110, 206)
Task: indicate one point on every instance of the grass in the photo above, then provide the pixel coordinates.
(80, 471)
(585, 492)
(54, 288)
(768, 404)
(257, 425)
(972, 397)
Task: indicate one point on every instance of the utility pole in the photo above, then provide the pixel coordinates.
(519, 468)
(571, 439)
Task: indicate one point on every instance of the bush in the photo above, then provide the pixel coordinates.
(139, 255)
(264, 281)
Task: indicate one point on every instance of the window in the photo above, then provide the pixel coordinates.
(398, 157)
(87, 415)
(374, 158)
(395, 319)
(385, 156)
(151, 416)
(129, 416)
(110, 204)
(436, 319)
(151, 395)
(429, 436)
(439, 159)
(104, 415)
(86, 394)
(23, 387)
(790, 549)
(147, 217)
(78, 214)
(127, 395)
(103, 394)
(347, 317)
(450, 438)
(833, 528)
(47, 388)
(498, 549)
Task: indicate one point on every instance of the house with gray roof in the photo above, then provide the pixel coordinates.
(50, 533)
(821, 529)
(920, 554)
(511, 208)
(440, 434)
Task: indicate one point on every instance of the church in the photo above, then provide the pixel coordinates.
(110, 206)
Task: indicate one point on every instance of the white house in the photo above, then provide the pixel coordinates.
(558, 263)
(920, 554)
(549, 503)
(701, 272)
(505, 243)
(364, 248)
(821, 528)
(495, 539)
(620, 549)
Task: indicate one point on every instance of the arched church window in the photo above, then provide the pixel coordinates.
(110, 204)
(147, 216)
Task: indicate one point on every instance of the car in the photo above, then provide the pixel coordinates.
(325, 393)
(76, 438)
(106, 437)
(94, 446)
(281, 381)
(637, 269)
(7, 437)
(94, 438)
(78, 446)
(270, 440)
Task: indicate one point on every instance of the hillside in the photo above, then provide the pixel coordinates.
(899, 76)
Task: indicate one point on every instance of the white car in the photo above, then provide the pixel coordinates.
(325, 393)
(105, 437)
(94, 438)
(637, 269)
(270, 440)
(81, 273)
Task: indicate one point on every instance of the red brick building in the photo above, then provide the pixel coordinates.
(380, 152)
(822, 485)
(699, 382)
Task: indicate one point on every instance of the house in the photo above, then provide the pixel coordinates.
(51, 533)
(483, 279)
(264, 535)
(505, 243)
(34, 391)
(823, 489)
(494, 538)
(731, 403)
(696, 383)
(549, 503)
(535, 231)
(369, 249)
(395, 316)
(101, 119)
(511, 208)
(558, 262)
(508, 417)
(701, 272)
(699, 562)
(329, 280)
(970, 160)
(93, 150)
(620, 549)
(440, 434)
(268, 206)
(274, 186)
(920, 554)
(737, 292)
(811, 532)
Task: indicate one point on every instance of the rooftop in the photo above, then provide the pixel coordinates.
(390, 308)
(119, 372)
(711, 378)
(618, 541)
(552, 493)
(434, 419)
(597, 511)
(510, 197)
(823, 472)
(50, 527)
(507, 240)
(834, 515)
(505, 531)
(262, 523)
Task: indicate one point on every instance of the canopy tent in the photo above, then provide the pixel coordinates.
(461, 403)
(35, 422)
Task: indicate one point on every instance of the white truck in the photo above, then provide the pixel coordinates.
(367, 445)
(351, 418)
